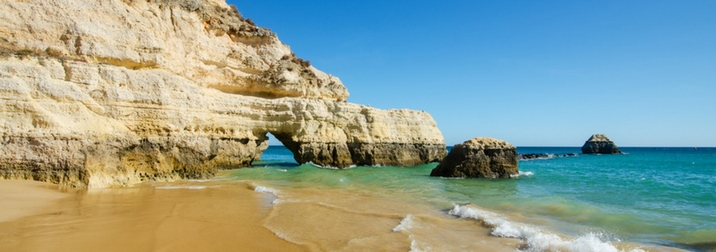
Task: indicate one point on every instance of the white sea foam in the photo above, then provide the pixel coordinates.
(522, 174)
(199, 180)
(417, 247)
(264, 189)
(534, 238)
(330, 167)
(405, 224)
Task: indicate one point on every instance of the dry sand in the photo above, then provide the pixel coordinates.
(194, 216)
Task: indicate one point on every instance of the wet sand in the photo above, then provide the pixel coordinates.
(178, 216)
(20, 198)
(230, 215)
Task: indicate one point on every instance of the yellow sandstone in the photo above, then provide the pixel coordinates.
(115, 92)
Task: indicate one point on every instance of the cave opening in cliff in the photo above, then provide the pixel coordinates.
(278, 153)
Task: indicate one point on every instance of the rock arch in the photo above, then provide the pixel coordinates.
(334, 155)
(99, 114)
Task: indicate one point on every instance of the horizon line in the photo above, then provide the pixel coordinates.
(563, 146)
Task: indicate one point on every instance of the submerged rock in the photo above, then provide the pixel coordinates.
(600, 144)
(479, 158)
(112, 93)
(530, 156)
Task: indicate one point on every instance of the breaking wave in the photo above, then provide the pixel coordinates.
(522, 174)
(405, 224)
(535, 239)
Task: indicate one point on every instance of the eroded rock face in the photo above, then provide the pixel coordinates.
(479, 158)
(600, 144)
(112, 93)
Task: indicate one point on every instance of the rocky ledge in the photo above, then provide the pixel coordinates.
(112, 93)
(600, 144)
(479, 158)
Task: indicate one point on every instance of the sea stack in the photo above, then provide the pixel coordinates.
(600, 144)
(479, 158)
(114, 93)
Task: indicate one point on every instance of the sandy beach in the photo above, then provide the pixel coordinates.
(173, 217)
(230, 215)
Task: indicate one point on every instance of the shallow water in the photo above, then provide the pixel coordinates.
(648, 196)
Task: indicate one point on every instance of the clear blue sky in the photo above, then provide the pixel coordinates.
(533, 73)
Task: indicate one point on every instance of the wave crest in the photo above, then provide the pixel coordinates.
(522, 174)
(535, 238)
(405, 224)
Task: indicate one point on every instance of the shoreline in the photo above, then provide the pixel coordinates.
(150, 217)
(222, 214)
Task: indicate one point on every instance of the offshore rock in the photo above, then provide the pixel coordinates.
(117, 92)
(479, 158)
(532, 156)
(600, 144)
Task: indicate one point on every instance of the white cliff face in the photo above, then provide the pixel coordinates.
(206, 42)
(111, 93)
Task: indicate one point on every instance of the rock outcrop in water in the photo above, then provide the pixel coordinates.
(531, 156)
(600, 144)
(111, 93)
(479, 158)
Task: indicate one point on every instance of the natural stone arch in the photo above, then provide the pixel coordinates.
(335, 155)
(346, 154)
(98, 114)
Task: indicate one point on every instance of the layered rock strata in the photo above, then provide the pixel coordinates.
(116, 92)
(600, 144)
(479, 158)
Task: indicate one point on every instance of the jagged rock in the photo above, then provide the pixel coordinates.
(600, 144)
(112, 93)
(479, 158)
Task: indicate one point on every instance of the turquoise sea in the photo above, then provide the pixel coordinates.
(649, 196)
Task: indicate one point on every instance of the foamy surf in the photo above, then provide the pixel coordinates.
(417, 247)
(199, 180)
(265, 189)
(405, 224)
(522, 174)
(330, 167)
(535, 239)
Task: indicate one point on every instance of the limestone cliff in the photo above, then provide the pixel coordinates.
(115, 92)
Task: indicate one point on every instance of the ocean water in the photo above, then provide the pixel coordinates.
(645, 198)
